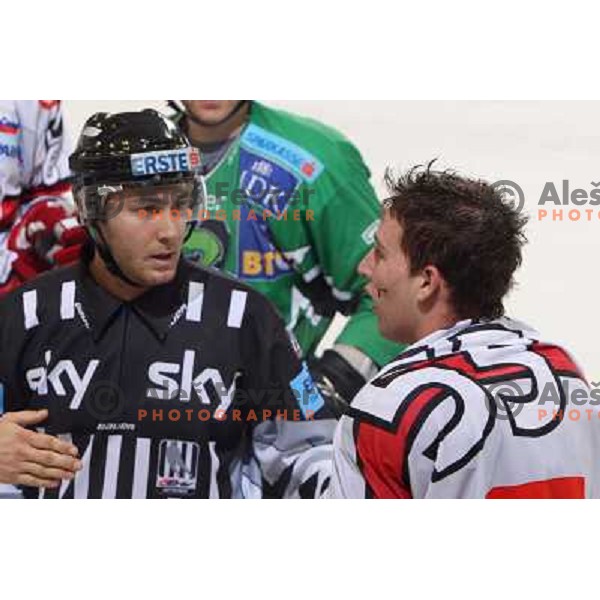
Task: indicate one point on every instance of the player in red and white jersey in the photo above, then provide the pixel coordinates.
(38, 228)
(478, 406)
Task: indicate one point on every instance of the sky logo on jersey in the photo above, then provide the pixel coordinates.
(283, 151)
(207, 385)
(164, 161)
(44, 381)
(307, 395)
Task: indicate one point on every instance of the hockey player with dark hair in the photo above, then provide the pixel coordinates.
(479, 406)
(146, 376)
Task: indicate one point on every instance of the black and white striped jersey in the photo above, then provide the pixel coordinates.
(193, 390)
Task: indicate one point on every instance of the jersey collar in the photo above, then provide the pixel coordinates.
(156, 308)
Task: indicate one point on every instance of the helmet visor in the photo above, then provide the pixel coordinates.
(146, 200)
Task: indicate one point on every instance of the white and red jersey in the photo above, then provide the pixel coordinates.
(33, 153)
(33, 171)
(481, 410)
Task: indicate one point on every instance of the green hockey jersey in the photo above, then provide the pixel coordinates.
(291, 212)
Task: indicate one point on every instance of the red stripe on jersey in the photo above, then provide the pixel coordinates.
(559, 360)
(382, 454)
(52, 190)
(559, 488)
(10, 129)
(460, 363)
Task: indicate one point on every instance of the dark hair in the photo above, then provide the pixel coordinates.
(464, 227)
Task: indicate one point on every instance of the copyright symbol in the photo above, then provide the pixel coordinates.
(501, 395)
(113, 208)
(512, 191)
(105, 401)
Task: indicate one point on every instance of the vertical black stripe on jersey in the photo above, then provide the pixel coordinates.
(184, 452)
(190, 447)
(154, 468)
(163, 465)
(126, 467)
(32, 493)
(97, 466)
(186, 448)
(167, 467)
(194, 462)
(171, 469)
(204, 471)
(223, 476)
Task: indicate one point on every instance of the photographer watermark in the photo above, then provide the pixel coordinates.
(550, 401)
(236, 415)
(557, 202)
(105, 401)
(250, 202)
(512, 191)
(188, 214)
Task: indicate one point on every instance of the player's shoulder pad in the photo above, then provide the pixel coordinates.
(308, 146)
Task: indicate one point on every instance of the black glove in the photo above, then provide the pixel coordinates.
(337, 380)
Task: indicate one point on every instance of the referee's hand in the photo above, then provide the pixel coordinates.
(31, 458)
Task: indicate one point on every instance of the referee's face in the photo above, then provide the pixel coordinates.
(146, 235)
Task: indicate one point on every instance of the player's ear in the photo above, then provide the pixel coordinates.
(431, 284)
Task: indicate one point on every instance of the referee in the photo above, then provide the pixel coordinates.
(135, 374)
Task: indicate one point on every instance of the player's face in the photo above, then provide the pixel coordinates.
(392, 287)
(211, 112)
(146, 235)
